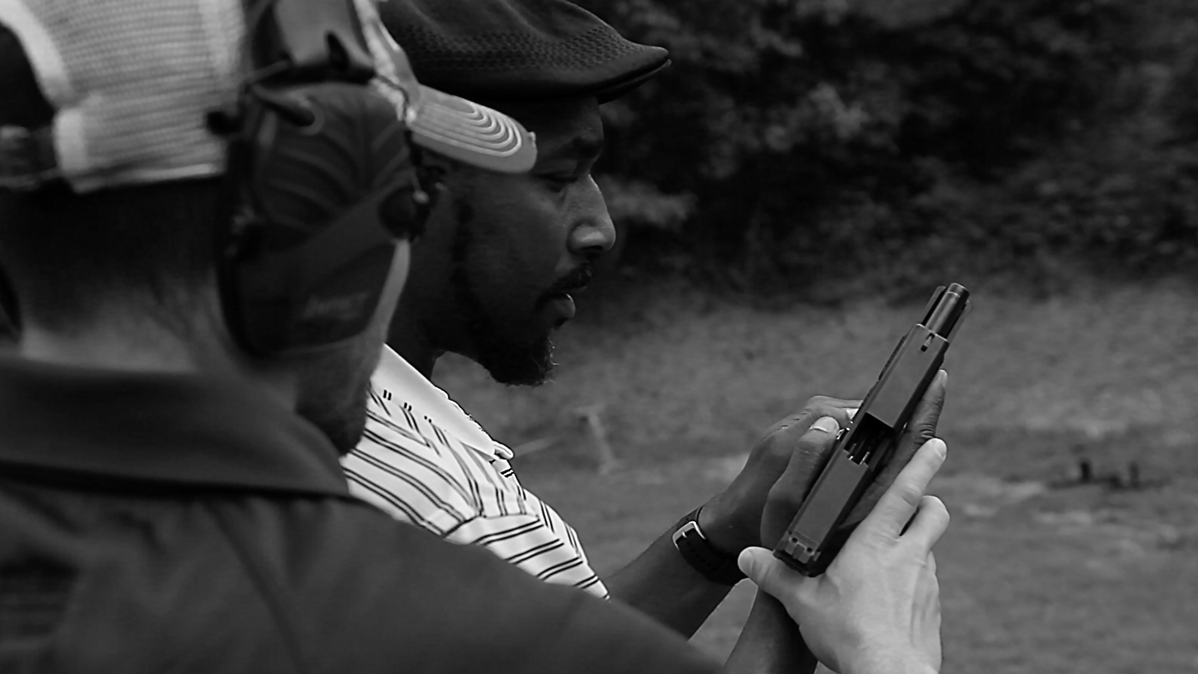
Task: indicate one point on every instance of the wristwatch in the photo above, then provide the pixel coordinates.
(698, 552)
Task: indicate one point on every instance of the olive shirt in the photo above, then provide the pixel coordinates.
(155, 523)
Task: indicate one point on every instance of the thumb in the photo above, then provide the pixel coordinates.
(768, 572)
(809, 455)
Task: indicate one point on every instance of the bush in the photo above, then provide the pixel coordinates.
(841, 150)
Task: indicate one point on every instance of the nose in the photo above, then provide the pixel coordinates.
(593, 234)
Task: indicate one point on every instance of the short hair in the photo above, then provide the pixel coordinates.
(67, 255)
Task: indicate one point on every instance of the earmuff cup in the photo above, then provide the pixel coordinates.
(321, 183)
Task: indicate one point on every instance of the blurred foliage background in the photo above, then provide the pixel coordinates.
(840, 148)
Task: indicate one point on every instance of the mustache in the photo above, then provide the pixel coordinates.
(572, 281)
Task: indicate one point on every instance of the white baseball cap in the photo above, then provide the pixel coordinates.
(131, 83)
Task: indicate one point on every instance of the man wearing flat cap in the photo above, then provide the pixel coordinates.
(493, 279)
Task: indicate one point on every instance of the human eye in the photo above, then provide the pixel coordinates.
(559, 182)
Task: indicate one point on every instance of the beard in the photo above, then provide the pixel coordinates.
(339, 412)
(508, 361)
(335, 387)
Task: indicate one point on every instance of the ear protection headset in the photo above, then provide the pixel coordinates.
(319, 185)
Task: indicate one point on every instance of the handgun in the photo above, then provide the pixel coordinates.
(866, 444)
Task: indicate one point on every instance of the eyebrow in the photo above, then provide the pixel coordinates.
(580, 147)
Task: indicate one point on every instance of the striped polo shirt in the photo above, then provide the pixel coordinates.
(423, 460)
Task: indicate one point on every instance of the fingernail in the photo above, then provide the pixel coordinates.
(943, 377)
(745, 561)
(939, 447)
(826, 424)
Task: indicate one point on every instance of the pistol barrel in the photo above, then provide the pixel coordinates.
(949, 308)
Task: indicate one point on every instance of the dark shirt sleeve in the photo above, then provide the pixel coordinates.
(400, 599)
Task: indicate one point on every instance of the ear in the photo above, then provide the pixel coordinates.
(432, 169)
(437, 161)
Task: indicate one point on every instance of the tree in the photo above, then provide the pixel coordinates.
(842, 148)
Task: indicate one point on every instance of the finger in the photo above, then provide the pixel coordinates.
(929, 523)
(927, 412)
(770, 574)
(828, 406)
(807, 459)
(829, 401)
(838, 408)
(921, 429)
(783, 436)
(815, 408)
(899, 502)
(785, 442)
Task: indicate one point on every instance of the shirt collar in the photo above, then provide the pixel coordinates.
(158, 428)
(396, 375)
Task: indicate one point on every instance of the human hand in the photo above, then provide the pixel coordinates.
(877, 607)
(732, 520)
(790, 490)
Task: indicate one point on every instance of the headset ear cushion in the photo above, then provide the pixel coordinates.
(309, 173)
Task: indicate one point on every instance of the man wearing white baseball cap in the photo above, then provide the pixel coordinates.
(205, 242)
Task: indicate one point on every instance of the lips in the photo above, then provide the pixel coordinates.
(574, 282)
(564, 298)
(560, 297)
(572, 290)
(562, 304)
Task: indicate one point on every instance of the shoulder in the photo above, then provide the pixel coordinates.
(458, 608)
(412, 477)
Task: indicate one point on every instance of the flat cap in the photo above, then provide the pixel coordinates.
(518, 49)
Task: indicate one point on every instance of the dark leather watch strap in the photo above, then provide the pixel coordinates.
(699, 553)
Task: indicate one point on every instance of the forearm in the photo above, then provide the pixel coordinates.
(770, 642)
(660, 584)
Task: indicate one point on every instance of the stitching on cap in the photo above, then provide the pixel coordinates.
(432, 51)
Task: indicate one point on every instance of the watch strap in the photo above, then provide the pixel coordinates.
(694, 547)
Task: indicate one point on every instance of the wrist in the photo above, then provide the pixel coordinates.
(722, 530)
(692, 543)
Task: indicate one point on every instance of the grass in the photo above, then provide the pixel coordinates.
(1034, 578)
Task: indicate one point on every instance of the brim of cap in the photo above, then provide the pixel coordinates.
(630, 82)
(472, 133)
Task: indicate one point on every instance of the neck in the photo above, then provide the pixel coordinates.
(414, 346)
(133, 343)
(111, 348)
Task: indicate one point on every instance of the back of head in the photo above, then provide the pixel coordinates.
(119, 193)
(133, 216)
(518, 50)
(145, 138)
